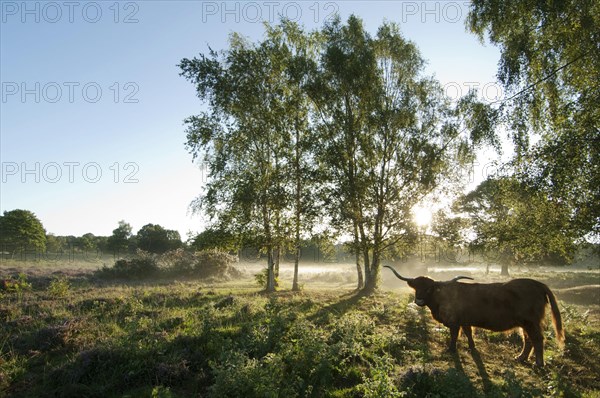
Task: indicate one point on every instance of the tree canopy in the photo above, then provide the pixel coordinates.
(518, 223)
(387, 135)
(390, 136)
(254, 138)
(154, 238)
(21, 230)
(118, 242)
(213, 238)
(550, 68)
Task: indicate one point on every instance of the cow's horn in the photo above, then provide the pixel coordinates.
(461, 277)
(397, 274)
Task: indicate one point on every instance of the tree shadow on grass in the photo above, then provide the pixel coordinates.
(338, 308)
(483, 374)
(511, 385)
(417, 329)
(488, 387)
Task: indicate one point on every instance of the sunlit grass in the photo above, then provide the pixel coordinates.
(77, 337)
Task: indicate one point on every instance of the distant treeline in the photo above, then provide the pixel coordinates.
(426, 251)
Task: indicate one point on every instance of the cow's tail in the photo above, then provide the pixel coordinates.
(556, 318)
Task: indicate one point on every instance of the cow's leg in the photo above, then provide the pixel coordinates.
(468, 331)
(453, 337)
(527, 347)
(537, 339)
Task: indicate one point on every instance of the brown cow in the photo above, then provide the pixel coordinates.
(494, 306)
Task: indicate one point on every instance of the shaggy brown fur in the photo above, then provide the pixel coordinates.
(519, 303)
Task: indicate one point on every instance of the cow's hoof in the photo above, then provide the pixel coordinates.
(521, 359)
(539, 368)
(449, 351)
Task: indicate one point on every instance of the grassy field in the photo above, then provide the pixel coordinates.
(70, 334)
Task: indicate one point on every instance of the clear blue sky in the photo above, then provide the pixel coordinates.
(92, 104)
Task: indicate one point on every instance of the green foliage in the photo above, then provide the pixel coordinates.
(59, 287)
(202, 264)
(253, 138)
(55, 244)
(237, 375)
(17, 286)
(387, 136)
(144, 266)
(214, 238)
(380, 383)
(449, 229)
(136, 268)
(178, 261)
(550, 68)
(380, 167)
(211, 263)
(155, 239)
(425, 381)
(520, 223)
(21, 230)
(179, 340)
(162, 392)
(262, 277)
(86, 242)
(118, 242)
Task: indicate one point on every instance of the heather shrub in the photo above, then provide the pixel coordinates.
(203, 264)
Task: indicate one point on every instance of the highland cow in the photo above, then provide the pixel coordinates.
(519, 303)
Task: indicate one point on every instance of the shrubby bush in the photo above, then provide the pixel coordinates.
(379, 383)
(203, 264)
(279, 353)
(178, 261)
(428, 381)
(237, 375)
(17, 286)
(59, 287)
(262, 277)
(143, 265)
(214, 263)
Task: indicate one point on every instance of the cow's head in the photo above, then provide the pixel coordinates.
(424, 286)
(423, 289)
